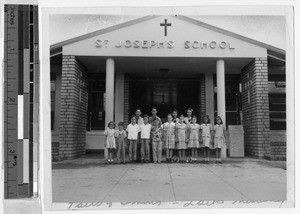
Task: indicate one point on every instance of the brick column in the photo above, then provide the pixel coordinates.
(73, 115)
(255, 101)
(126, 99)
(202, 97)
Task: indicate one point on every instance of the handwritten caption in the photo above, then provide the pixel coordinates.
(177, 204)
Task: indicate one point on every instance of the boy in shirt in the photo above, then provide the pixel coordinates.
(145, 128)
(132, 135)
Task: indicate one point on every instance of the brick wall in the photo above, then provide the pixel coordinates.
(202, 96)
(54, 150)
(255, 101)
(278, 145)
(72, 127)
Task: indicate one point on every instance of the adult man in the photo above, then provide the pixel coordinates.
(139, 121)
(154, 116)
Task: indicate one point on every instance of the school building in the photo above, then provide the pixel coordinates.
(167, 62)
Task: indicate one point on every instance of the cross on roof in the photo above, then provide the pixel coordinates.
(165, 24)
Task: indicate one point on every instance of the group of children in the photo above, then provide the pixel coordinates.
(179, 135)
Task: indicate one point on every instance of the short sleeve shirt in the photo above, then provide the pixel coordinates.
(133, 131)
(145, 130)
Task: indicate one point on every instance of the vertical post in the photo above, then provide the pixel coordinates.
(221, 90)
(221, 97)
(109, 94)
(109, 90)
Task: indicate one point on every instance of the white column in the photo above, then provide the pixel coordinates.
(221, 97)
(209, 97)
(109, 90)
(119, 100)
(221, 90)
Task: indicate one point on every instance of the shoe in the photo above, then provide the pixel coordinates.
(172, 161)
(159, 162)
(187, 161)
(154, 162)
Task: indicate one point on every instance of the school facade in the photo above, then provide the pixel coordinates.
(168, 62)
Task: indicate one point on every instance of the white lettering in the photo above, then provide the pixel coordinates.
(170, 44)
(187, 44)
(195, 45)
(98, 43)
(230, 46)
(213, 45)
(152, 44)
(145, 44)
(223, 45)
(136, 44)
(128, 44)
(119, 45)
(203, 45)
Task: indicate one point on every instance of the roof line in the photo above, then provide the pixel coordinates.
(181, 17)
(229, 33)
(102, 31)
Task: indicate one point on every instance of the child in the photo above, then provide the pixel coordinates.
(193, 137)
(176, 120)
(121, 136)
(189, 116)
(175, 116)
(181, 138)
(145, 139)
(156, 141)
(206, 131)
(219, 136)
(169, 137)
(132, 135)
(110, 141)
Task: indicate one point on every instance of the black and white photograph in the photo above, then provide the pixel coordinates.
(151, 107)
(166, 108)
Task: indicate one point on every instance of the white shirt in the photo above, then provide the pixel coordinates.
(133, 131)
(145, 130)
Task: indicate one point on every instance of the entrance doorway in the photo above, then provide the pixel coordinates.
(165, 94)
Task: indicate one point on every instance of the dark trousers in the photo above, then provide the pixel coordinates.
(138, 152)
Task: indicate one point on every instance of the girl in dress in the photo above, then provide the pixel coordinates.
(206, 133)
(193, 138)
(169, 137)
(110, 141)
(181, 138)
(156, 134)
(219, 136)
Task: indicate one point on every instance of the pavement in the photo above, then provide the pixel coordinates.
(90, 179)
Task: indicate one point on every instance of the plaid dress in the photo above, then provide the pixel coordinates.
(181, 135)
(169, 135)
(193, 135)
